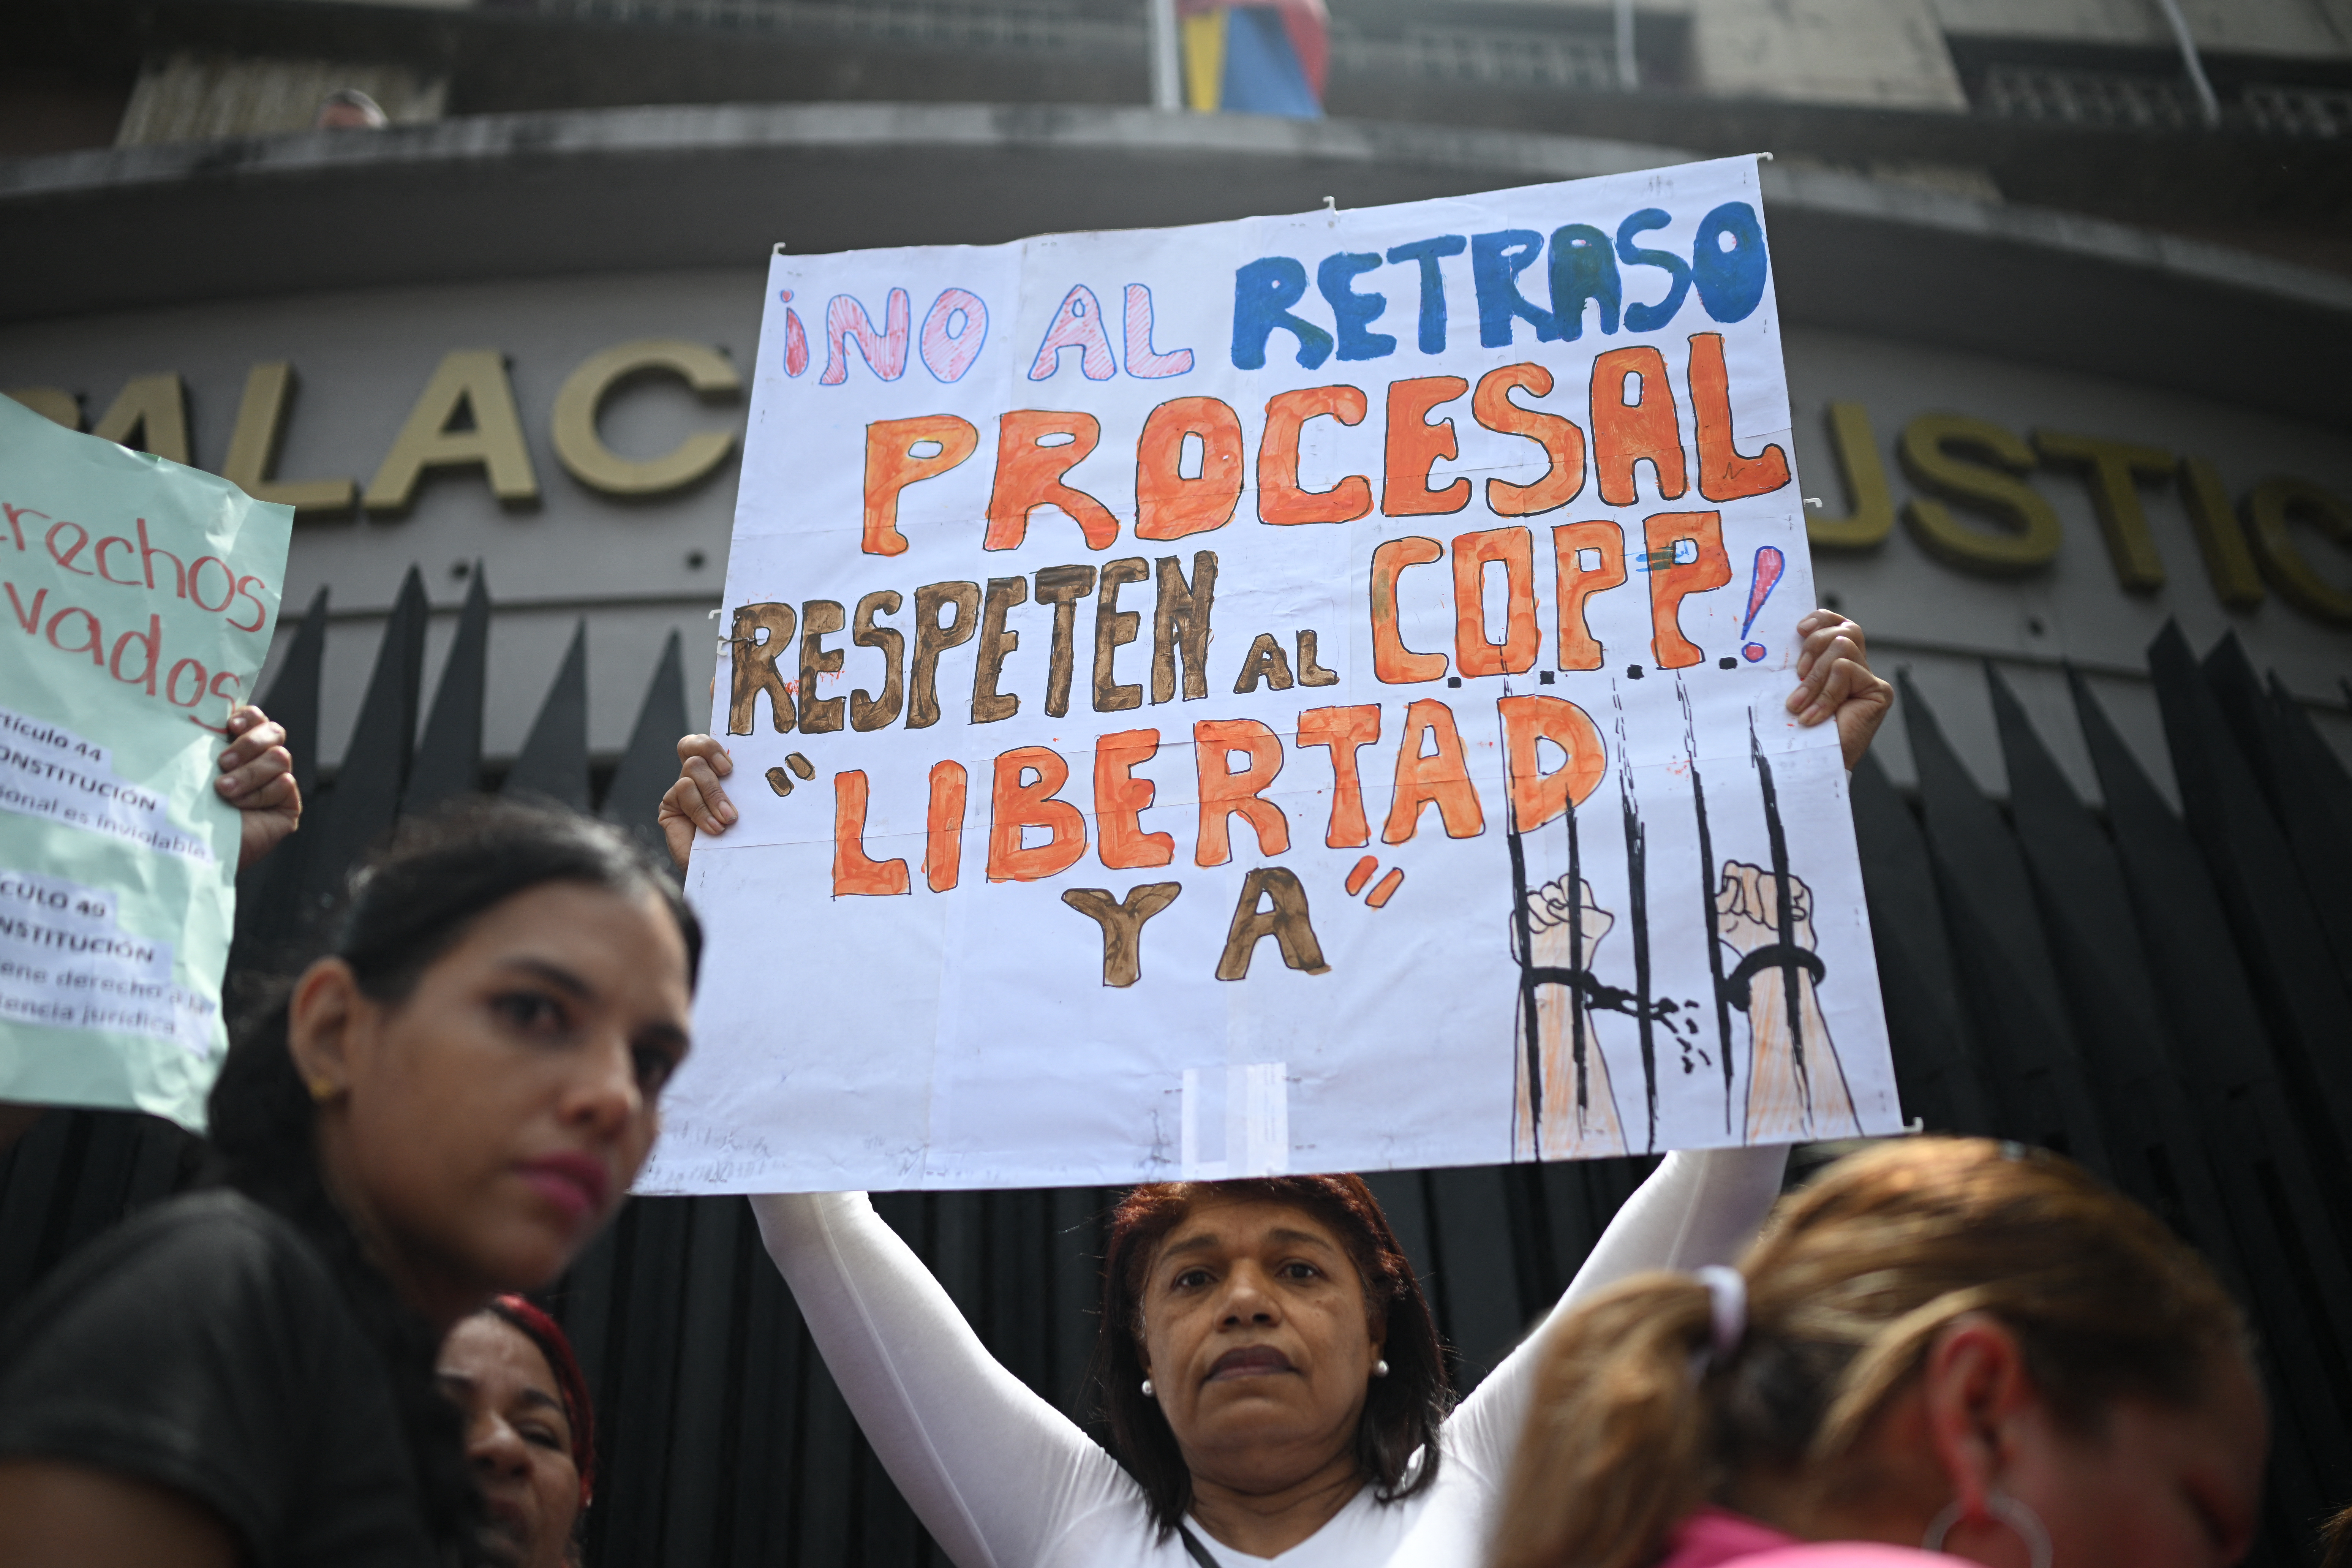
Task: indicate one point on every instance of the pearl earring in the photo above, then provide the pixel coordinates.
(1380, 1369)
(1146, 1388)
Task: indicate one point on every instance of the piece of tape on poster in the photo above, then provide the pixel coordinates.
(1236, 1121)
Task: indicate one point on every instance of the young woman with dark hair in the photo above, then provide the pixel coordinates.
(1943, 1344)
(530, 1432)
(449, 1104)
(1268, 1368)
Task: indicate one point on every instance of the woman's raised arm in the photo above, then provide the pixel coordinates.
(999, 1477)
(1698, 1207)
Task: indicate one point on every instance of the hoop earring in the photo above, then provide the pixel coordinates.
(2011, 1511)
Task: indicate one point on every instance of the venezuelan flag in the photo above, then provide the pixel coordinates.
(1255, 57)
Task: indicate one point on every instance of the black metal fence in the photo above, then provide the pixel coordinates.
(2166, 996)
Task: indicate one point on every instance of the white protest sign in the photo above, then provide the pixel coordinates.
(1296, 694)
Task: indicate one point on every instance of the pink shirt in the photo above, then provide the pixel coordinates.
(1716, 1535)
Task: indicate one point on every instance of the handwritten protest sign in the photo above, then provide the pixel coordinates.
(1294, 694)
(141, 597)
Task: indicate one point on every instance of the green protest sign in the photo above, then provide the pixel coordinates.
(141, 598)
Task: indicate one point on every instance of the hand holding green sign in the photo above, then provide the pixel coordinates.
(141, 599)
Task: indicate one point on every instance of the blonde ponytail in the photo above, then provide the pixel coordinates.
(1634, 1426)
(1617, 1449)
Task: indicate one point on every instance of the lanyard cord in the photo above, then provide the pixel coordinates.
(1200, 1553)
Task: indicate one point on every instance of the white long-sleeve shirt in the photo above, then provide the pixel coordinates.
(1003, 1479)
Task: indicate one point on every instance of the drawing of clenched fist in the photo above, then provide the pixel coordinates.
(1747, 909)
(1565, 1106)
(1548, 916)
(1796, 1086)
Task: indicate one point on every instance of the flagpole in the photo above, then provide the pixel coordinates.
(1167, 76)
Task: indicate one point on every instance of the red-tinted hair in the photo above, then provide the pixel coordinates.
(1402, 1411)
(548, 1335)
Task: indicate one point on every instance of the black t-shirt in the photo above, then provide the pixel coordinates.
(204, 1346)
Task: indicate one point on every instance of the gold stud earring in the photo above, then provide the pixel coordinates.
(322, 1091)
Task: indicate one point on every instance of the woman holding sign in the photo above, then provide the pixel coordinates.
(1270, 1369)
(449, 1105)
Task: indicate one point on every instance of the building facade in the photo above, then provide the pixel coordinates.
(2062, 333)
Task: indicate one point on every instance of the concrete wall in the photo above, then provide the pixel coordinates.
(1885, 53)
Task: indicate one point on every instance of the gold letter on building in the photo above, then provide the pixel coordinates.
(2114, 469)
(2228, 561)
(2279, 500)
(2030, 535)
(1873, 517)
(473, 381)
(253, 446)
(154, 410)
(54, 404)
(582, 451)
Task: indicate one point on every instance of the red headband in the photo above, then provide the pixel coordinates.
(548, 1335)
